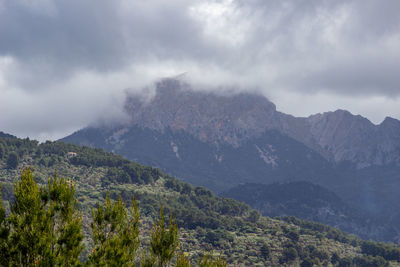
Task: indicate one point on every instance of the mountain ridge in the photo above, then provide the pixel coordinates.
(234, 118)
(222, 141)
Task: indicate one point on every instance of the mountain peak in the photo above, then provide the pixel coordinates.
(389, 121)
(6, 135)
(211, 117)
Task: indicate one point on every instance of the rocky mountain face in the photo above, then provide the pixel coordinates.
(222, 141)
(270, 157)
(208, 117)
(345, 137)
(233, 119)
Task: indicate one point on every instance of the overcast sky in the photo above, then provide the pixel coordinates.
(66, 63)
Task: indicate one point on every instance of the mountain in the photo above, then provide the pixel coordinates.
(6, 135)
(224, 140)
(306, 201)
(208, 139)
(226, 226)
(267, 158)
(233, 119)
(345, 137)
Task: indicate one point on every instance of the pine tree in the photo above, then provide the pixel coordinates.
(27, 220)
(164, 241)
(64, 234)
(45, 226)
(147, 260)
(182, 260)
(208, 260)
(115, 234)
(4, 234)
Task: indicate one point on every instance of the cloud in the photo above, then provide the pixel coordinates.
(65, 63)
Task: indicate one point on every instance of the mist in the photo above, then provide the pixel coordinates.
(68, 64)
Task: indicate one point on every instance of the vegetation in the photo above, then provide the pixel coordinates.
(44, 227)
(234, 232)
(115, 234)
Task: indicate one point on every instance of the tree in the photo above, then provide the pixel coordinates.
(254, 216)
(45, 226)
(12, 160)
(148, 260)
(289, 254)
(4, 234)
(27, 219)
(2, 151)
(164, 241)
(115, 233)
(182, 260)
(307, 262)
(265, 251)
(208, 260)
(293, 235)
(64, 221)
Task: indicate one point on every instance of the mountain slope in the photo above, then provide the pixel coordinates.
(346, 137)
(206, 221)
(232, 119)
(306, 201)
(221, 141)
(268, 158)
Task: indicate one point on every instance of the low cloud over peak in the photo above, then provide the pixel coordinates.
(64, 64)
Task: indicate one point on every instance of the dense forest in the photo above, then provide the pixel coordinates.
(102, 186)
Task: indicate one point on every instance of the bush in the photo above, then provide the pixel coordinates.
(293, 235)
(12, 160)
(289, 255)
(265, 251)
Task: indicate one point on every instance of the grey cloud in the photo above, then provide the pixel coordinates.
(308, 47)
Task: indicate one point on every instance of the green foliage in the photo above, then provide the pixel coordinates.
(289, 254)
(293, 235)
(64, 222)
(2, 151)
(307, 262)
(182, 260)
(370, 261)
(325, 230)
(206, 221)
(218, 237)
(265, 251)
(147, 260)
(254, 216)
(4, 233)
(164, 241)
(45, 226)
(115, 234)
(12, 160)
(208, 260)
(386, 251)
(345, 262)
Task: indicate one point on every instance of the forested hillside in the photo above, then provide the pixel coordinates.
(206, 222)
(310, 202)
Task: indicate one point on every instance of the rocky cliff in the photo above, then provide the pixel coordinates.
(233, 119)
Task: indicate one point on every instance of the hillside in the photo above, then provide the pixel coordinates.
(310, 202)
(223, 140)
(206, 221)
(268, 158)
